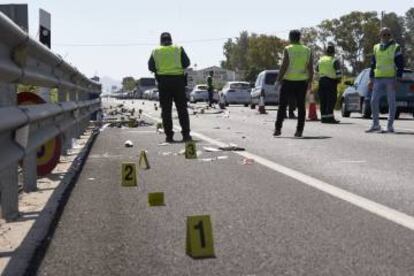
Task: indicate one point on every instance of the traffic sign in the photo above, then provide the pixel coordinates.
(199, 241)
(48, 154)
(129, 175)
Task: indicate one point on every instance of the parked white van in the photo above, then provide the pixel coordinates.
(265, 83)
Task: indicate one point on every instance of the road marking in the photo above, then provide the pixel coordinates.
(359, 201)
(351, 161)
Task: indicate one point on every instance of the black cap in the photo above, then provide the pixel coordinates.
(166, 38)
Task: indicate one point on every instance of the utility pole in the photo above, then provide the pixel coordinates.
(382, 19)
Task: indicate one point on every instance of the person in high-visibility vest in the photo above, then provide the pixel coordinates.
(295, 77)
(168, 62)
(387, 68)
(329, 70)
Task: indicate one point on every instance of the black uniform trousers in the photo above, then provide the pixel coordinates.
(327, 96)
(292, 91)
(172, 88)
(210, 97)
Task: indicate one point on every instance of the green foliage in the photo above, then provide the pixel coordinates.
(128, 84)
(354, 34)
(249, 54)
(27, 88)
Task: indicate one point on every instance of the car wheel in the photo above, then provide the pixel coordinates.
(345, 113)
(252, 106)
(365, 110)
(246, 105)
(397, 115)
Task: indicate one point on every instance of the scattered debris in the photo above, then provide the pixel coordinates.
(232, 148)
(214, 158)
(210, 149)
(164, 144)
(129, 144)
(247, 161)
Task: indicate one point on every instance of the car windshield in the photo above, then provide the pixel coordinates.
(147, 82)
(239, 86)
(201, 87)
(270, 78)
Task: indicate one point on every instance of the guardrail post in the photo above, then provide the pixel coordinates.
(30, 172)
(66, 136)
(8, 176)
(9, 193)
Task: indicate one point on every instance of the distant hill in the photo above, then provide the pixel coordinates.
(108, 82)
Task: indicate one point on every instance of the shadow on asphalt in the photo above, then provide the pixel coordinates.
(6, 254)
(305, 137)
(404, 133)
(26, 216)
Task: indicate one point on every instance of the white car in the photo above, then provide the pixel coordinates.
(236, 92)
(266, 85)
(200, 94)
(146, 94)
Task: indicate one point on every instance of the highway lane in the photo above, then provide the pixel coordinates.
(376, 166)
(265, 223)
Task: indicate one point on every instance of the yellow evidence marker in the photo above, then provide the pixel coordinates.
(190, 150)
(143, 160)
(129, 175)
(156, 199)
(199, 241)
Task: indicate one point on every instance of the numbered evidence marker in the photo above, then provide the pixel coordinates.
(129, 175)
(199, 241)
(190, 150)
(143, 161)
(156, 199)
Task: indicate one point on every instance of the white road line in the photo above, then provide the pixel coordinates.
(359, 201)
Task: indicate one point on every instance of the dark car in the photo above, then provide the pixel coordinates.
(357, 96)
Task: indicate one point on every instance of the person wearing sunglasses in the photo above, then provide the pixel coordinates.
(387, 67)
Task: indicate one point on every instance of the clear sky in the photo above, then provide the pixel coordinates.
(129, 22)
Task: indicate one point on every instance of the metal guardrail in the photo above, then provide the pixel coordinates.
(23, 129)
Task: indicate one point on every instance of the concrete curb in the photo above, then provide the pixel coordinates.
(30, 253)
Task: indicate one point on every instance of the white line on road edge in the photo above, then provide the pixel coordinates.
(359, 201)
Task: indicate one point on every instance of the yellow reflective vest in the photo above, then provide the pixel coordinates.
(385, 61)
(168, 60)
(326, 66)
(299, 57)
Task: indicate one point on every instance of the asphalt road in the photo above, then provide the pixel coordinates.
(267, 217)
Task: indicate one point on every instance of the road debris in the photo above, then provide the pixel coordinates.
(232, 148)
(129, 144)
(247, 161)
(224, 157)
(210, 149)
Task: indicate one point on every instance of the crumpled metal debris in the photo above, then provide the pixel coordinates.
(129, 144)
(232, 148)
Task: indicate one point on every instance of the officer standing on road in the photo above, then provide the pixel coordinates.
(210, 88)
(168, 63)
(330, 74)
(387, 67)
(295, 77)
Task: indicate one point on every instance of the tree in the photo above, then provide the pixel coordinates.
(409, 38)
(128, 84)
(355, 34)
(250, 54)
